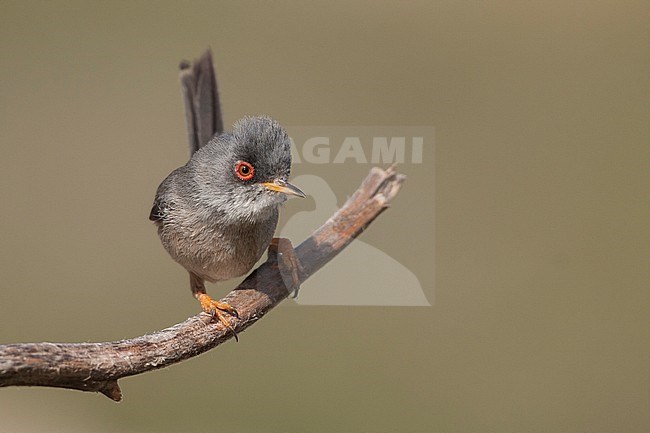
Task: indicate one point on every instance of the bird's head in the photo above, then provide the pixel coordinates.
(245, 174)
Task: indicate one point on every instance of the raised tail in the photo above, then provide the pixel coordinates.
(201, 99)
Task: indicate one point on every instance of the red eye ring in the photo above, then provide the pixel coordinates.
(244, 170)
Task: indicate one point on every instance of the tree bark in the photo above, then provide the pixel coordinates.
(97, 366)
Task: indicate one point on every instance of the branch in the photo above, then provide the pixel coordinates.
(98, 366)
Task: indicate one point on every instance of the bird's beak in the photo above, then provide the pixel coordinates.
(284, 187)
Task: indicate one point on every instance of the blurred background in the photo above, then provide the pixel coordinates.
(526, 224)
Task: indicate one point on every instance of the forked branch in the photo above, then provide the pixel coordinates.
(98, 366)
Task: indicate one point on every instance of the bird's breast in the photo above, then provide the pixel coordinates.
(216, 251)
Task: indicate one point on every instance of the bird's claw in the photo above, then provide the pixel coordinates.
(217, 310)
(282, 251)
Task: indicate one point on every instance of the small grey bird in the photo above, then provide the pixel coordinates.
(216, 215)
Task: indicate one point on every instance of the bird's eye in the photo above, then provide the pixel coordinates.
(244, 170)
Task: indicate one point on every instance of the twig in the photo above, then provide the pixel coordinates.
(98, 366)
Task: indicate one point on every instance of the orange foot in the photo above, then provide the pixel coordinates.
(282, 251)
(216, 309)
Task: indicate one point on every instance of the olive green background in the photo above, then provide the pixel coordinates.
(538, 183)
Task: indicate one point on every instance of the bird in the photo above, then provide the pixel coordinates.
(217, 214)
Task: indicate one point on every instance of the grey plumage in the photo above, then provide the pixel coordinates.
(203, 117)
(211, 222)
(217, 213)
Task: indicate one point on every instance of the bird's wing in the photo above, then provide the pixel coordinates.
(201, 99)
(164, 200)
(159, 207)
(157, 212)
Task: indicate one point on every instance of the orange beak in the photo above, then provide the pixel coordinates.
(284, 187)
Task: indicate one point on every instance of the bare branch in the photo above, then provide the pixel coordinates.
(98, 366)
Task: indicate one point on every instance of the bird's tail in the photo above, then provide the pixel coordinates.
(201, 99)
